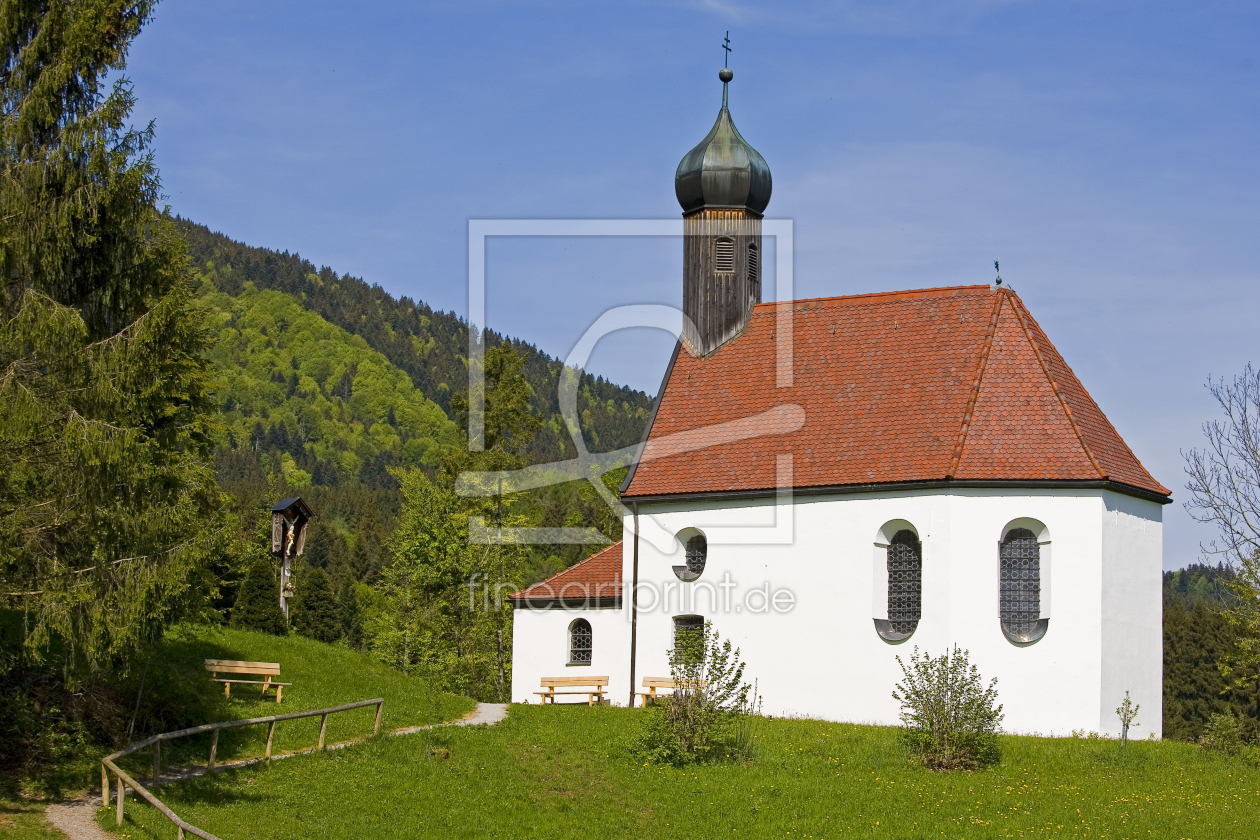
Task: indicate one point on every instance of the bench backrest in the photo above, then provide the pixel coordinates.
(668, 682)
(232, 666)
(568, 682)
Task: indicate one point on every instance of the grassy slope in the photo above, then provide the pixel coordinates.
(563, 772)
(322, 676)
(25, 821)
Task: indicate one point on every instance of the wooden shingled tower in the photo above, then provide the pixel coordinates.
(723, 185)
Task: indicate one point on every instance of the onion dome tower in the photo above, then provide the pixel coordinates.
(723, 185)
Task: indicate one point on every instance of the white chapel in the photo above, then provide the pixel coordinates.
(834, 482)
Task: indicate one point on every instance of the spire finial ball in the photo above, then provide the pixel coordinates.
(725, 74)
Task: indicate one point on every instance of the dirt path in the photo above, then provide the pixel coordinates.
(77, 818)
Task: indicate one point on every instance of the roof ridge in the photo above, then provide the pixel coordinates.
(1054, 386)
(934, 290)
(1090, 397)
(975, 387)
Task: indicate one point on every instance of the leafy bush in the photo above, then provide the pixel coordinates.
(258, 605)
(1222, 735)
(709, 716)
(950, 719)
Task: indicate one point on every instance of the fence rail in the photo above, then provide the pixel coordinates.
(154, 742)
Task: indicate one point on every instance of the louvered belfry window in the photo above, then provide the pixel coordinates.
(905, 581)
(580, 642)
(1020, 582)
(724, 256)
(754, 262)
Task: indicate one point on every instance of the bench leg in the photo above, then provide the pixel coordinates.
(227, 689)
(279, 691)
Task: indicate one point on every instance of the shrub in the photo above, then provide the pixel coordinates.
(258, 604)
(950, 719)
(709, 714)
(1222, 735)
(316, 612)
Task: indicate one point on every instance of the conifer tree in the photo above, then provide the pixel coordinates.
(107, 494)
(258, 605)
(315, 611)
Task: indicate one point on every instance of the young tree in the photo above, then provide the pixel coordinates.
(1224, 490)
(315, 611)
(258, 605)
(108, 501)
(706, 717)
(428, 618)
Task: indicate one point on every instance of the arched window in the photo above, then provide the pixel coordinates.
(580, 642)
(1019, 576)
(898, 578)
(754, 262)
(724, 255)
(696, 551)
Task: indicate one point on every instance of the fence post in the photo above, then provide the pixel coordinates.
(214, 746)
(323, 728)
(271, 732)
(122, 792)
(180, 835)
(157, 760)
(379, 708)
(104, 786)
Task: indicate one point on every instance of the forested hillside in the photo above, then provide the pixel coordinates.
(428, 345)
(314, 403)
(1197, 636)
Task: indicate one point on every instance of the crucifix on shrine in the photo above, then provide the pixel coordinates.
(289, 518)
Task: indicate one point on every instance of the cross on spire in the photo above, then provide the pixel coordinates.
(726, 45)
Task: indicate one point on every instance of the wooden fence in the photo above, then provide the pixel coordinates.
(154, 742)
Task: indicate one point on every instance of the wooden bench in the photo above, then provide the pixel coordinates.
(594, 689)
(266, 670)
(653, 685)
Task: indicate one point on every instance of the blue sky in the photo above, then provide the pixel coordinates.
(1105, 152)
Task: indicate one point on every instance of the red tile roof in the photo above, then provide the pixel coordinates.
(598, 576)
(954, 384)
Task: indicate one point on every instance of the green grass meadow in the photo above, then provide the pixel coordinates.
(564, 772)
(322, 676)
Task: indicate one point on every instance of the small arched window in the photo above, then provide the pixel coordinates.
(696, 552)
(754, 262)
(580, 642)
(724, 255)
(1019, 572)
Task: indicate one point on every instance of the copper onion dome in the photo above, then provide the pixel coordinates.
(724, 170)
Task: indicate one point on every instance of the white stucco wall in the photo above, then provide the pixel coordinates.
(823, 657)
(540, 648)
(819, 655)
(1132, 610)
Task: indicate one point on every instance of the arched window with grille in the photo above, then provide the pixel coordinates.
(900, 569)
(696, 553)
(580, 642)
(1020, 573)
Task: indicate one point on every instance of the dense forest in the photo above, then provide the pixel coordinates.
(1197, 635)
(429, 346)
(329, 385)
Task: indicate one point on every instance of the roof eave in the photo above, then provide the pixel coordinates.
(925, 484)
